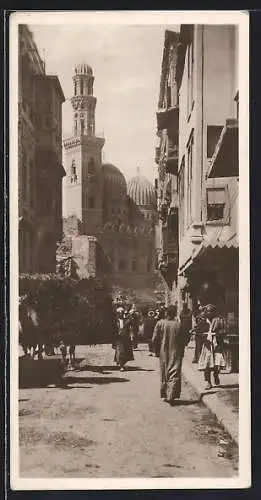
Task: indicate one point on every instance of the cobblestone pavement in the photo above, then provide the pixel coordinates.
(110, 424)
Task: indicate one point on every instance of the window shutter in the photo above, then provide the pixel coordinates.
(216, 196)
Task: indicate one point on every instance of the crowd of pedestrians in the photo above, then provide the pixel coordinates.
(166, 333)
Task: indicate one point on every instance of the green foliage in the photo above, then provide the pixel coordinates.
(76, 310)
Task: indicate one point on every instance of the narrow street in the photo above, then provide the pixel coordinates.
(104, 423)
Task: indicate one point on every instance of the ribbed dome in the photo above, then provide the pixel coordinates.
(114, 181)
(83, 69)
(141, 191)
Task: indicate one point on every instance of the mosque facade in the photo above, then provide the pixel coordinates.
(100, 204)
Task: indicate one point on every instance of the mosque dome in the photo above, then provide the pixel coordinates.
(141, 191)
(114, 181)
(83, 69)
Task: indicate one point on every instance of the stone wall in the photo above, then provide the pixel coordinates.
(84, 255)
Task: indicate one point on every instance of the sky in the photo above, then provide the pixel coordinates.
(126, 62)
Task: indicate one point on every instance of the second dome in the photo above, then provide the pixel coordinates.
(141, 191)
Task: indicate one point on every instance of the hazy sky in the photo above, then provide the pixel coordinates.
(126, 61)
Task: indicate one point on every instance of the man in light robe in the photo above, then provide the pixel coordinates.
(169, 339)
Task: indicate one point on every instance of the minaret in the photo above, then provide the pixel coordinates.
(84, 189)
(83, 101)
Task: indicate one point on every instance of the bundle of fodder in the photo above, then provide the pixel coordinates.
(77, 311)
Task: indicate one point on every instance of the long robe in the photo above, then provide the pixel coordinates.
(123, 344)
(169, 338)
(148, 329)
(212, 353)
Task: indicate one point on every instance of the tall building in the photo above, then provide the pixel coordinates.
(99, 203)
(206, 80)
(40, 169)
(167, 241)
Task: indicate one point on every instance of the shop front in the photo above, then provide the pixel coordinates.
(212, 277)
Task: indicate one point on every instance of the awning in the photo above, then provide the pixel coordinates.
(224, 162)
(231, 242)
(211, 253)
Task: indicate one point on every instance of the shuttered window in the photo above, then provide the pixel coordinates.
(216, 202)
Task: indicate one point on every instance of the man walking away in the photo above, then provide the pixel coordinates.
(170, 335)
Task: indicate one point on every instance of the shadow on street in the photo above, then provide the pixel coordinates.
(93, 380)
(49, 371)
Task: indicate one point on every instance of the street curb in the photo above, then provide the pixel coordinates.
(222, 412)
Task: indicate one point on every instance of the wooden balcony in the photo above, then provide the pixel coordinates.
(157, 154)
(172, 162)
(168, 118)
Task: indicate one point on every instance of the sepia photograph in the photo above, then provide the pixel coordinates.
(129, 250)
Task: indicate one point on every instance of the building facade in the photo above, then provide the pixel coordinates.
(100, 203)
(40, 170)
(167, 241)
(206, 80)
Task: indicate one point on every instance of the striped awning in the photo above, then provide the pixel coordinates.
(220, 242)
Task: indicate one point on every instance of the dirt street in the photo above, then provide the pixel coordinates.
(110, 424)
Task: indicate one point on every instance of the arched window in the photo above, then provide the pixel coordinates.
(149, 265)
(82, 126)
(81, 87)
(91, 202)
(75, 88)
(134, 265)
(91, 166)
(122, 264)
(73, 172)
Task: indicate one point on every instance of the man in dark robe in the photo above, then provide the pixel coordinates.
(149, 324)
(186, 320)
(123, 344)
(170, 338)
